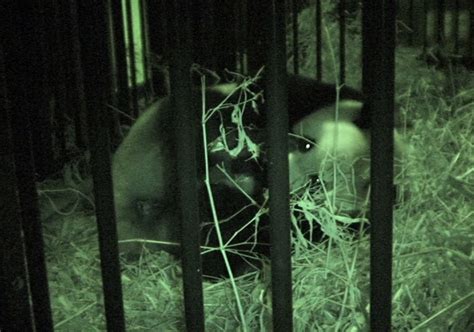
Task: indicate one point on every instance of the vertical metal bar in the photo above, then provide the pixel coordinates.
(185, 127)
(156, 16)
(319, 41)
(57, 47)
(448, 29)
(433, 24)
(411, 22)
(240, 35)
(378, 85)
(120, 51)
(294, 16)
(277, 139)
(147, 83)
(131, 56)
(469, 40)
(16, 312)
(456, 13)
(419, 18)
(97, 68)
(224, 23)
(256, 35)
(342, 41)
(22, 35)
(43, 144)
(202, 34)
(425, 25)
(465, 31)
(236, 32)
(74, 85)
(440, 33)
(210, 34)
(243, 36)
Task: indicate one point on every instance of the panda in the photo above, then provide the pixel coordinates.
(329, 151)
(329, 137)
(145, 180)
(328, 147)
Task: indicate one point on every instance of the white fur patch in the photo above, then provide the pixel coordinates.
(225, 89)
(340, 159)
(346, 110)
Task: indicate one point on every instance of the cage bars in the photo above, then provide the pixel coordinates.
(378, 30)
(97, 69)
(186, 135)
(278, 178)
(23, 68)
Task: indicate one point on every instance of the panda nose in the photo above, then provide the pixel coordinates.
(315, 180)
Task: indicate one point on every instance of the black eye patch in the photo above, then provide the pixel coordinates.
(305, 146)
(300, 143)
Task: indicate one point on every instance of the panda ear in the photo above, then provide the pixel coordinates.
(225, 89)
(347, 110)
(350, 107)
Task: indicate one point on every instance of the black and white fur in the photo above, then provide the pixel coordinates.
(145, 183)
(145, 177)
(336, 142)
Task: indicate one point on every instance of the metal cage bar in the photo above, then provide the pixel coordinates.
(120, 57)
(147, 83)
(319, 41)
(24, 295)
(132, 58)
(278, 178)
(95, 53)
(181, 99)
(342, 41)
(294, 19)
(378, 43)
(23, 72)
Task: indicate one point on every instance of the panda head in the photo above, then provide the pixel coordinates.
(328, 143)
(328, 147)
(322, 132)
